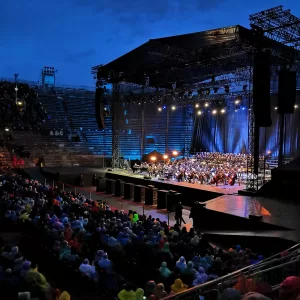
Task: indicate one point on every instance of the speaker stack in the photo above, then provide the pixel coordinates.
(118, 188)
(139, 193)
(128, 191)
(173, 199)
(151, 195)
(110, 186)
(101, 184)
(287, 83)
(162, 199)
(261, 88)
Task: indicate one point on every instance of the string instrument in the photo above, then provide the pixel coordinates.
(215, 179)
(232, 179)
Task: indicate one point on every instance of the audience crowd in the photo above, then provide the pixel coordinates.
(116, 254)
(20, 111)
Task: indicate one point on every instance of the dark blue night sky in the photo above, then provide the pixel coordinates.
(74, 35)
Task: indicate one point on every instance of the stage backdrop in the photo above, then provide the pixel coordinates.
(228, 132)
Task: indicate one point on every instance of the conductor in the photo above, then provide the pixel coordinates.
(178, 214)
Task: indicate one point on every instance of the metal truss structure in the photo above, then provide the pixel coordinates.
(252, 179)
(279, 24)
(188, 130)
(115, 163)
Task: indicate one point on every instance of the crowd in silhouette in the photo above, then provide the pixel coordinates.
(85, 246)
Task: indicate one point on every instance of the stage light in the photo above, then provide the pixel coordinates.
(173, 107)
(214, 112)
(237, 102)
(153, 158)
(235, 110)
(275, 107)
(269, 152)
(166, 156)
(175, 153)
(197, 105)
(6, 129)
(243, 108)
(199, 112)
(206, 104)
(20, 103)
(295, 106)
(223, 111)
(159, 109)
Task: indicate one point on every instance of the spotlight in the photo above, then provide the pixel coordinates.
(269, 152)
(173, 107)
(175, 153)
(206, 104)
(159, 109)
(6, 129)
(223, 111)
(199, 112)
(214, 112)
(197, 105)
(275, 107)
(153, 158)
(295, 106)
(166, 156)
(227, 89)
(237, 102)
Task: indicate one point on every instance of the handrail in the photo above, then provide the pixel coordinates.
(201, 287)
(236, 273)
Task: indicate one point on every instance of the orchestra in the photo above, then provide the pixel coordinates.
(204, 168)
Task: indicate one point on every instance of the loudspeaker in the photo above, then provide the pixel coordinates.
(162, 199)
(139, 193)
(110, 186)
(99, 107)
(172, 200)
(261, 88)
(118, 188)
(287, 83)
(147, 177)
(128, 191)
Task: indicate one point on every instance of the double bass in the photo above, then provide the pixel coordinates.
(232, 179)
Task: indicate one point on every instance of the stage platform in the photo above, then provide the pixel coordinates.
(282, 216)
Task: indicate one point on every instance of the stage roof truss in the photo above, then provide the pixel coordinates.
(280, 25)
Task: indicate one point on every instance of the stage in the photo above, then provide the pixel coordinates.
(227, 212)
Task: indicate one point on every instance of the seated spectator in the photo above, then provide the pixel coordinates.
(87, 269)
(178, 286)
(164, 271)
(290, 288)
(160, 292)
(231, 294)
(127, 293)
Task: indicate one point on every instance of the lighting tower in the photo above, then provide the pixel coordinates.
(48, 77)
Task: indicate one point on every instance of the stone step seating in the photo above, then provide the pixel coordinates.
(54, 107)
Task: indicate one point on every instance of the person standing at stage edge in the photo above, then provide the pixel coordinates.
(178, 214)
